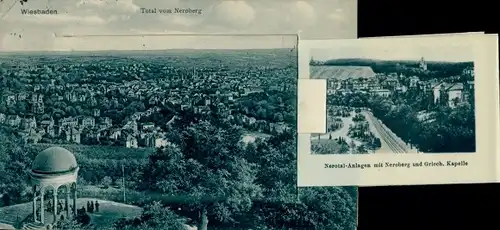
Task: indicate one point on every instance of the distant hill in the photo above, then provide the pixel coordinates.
(184, 58)
(144, 52)
(374, 62)
(341, 72)
(436, 69)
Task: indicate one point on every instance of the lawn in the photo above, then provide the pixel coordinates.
(109, 212)
(325, 146)
(250, 136)
(101, 151)
(138, 198)
(12, 214)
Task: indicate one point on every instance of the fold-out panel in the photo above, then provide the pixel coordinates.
(402, 111)
(312, 106)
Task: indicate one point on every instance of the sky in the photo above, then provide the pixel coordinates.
(431, 51)
(313, 19)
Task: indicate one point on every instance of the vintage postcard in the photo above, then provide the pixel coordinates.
(31, 23)
(398, 111)
(157, 132)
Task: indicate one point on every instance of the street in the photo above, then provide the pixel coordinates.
(390, 142)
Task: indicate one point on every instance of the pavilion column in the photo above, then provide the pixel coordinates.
(55, 205)
(74, 199)
(66, 205)
(34, 203)
(42, 208)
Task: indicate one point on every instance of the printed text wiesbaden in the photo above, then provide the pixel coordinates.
(38, 11)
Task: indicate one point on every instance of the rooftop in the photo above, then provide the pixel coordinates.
(449, 86)
(456, 86)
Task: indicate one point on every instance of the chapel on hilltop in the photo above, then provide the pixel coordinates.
(423, 64)
(54, 169)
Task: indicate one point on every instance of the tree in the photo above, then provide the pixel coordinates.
(443, 97)
(344, 148)
(278, 117)
(16, 84)
(154, 216)
(3, 107)
(331, 208)
(79, 110)
(352, 145)
(21, 107)
(262, 113)
(377, 143)
(15, 158)
(69, 224)
(106, 181)
(209, 167)
(361, 149)
(323, 208)
(71, 111)
(277, 171)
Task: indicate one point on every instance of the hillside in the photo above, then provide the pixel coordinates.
(374, 62)
(109, 212)
(435, 69)
(341, 72)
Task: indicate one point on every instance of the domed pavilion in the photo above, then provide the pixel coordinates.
(53, 170)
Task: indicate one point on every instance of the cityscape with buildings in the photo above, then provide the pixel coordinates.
(139, 140)
(97, 107)
(376, 106)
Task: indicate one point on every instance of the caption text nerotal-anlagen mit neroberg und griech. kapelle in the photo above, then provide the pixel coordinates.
(397, 164)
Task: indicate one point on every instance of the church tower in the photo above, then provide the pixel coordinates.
(422, 64)
(312, 61)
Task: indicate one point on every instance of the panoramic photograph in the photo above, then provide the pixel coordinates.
(395, 100)
(158, 139)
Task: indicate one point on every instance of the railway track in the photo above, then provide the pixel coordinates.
(388, 138)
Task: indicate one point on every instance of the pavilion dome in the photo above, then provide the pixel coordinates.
(54, 160)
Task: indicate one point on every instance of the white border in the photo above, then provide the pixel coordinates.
(482, 165)
(426, 35)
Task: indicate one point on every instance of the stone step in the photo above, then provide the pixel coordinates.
(8, 221)
(34, 226)
(49, 217)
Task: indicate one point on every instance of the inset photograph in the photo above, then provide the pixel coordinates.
(394, 100)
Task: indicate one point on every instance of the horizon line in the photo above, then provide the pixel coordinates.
(175, 35)
(137, 50)
(377, 59)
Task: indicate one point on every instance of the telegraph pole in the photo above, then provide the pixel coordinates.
(123, 183)
(298, 193)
